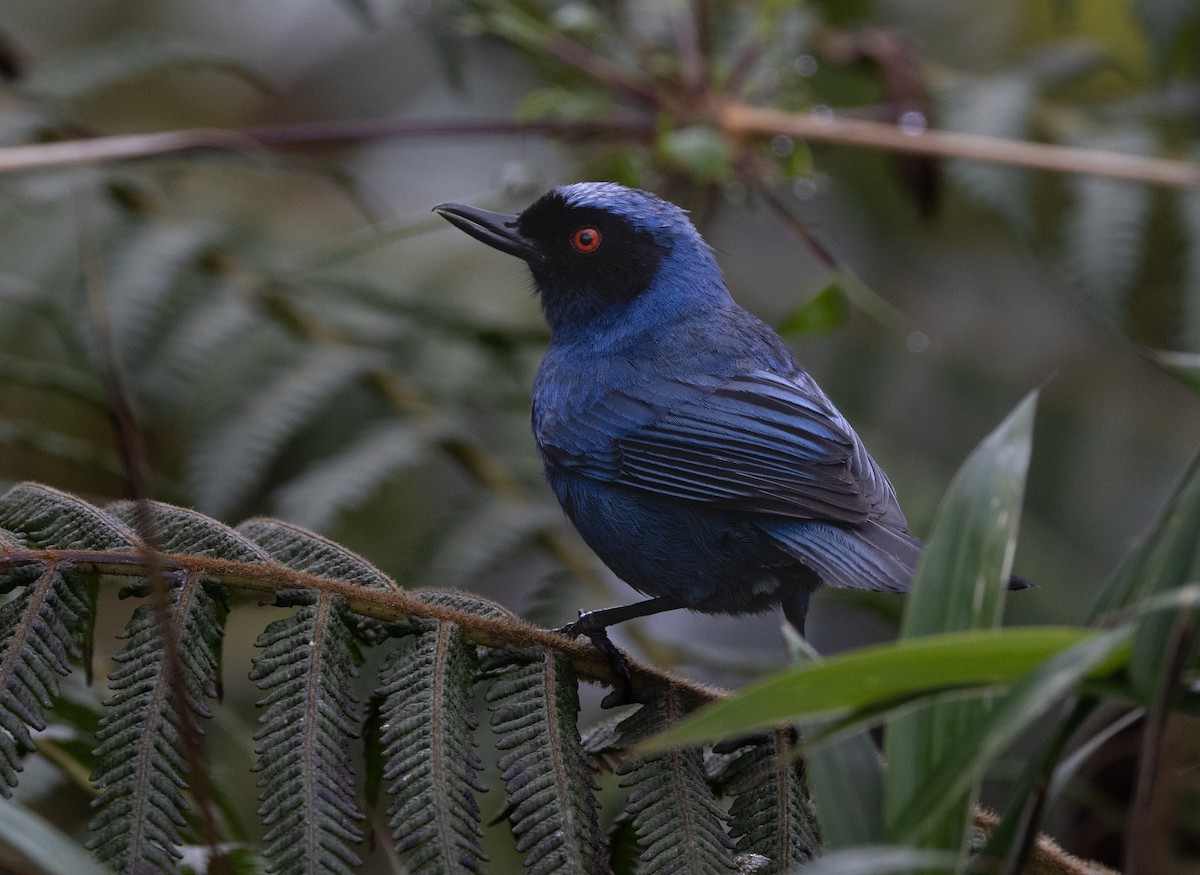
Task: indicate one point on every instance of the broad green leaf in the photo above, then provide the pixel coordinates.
(846, 782)
(888, 673)
(43, 843)
(1184, 365)
(881, 860)
(959, 585)
(1049, 685)
(699, 149)
(820, 314)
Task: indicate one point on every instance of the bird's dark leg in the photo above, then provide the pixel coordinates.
(795, 606)
(594, 626)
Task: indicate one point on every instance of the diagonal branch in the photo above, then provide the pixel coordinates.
(741, 121)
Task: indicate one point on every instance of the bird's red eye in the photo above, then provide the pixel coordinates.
(586, 239)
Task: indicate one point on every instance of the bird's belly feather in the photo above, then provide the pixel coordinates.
(716, 562)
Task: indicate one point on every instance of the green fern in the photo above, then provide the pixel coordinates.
(679, 823)
(772, 814)
(1106, 227)
(430, 765)
(488, 531)
(349, 477)
(232, 460)
(142, 768)
(40, 628)
(534, 701)
(197, 337)
(310, 715)
(146, 277)
(999, 106)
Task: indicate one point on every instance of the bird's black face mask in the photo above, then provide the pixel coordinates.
(583, 259)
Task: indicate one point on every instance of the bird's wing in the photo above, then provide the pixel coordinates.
(756, 442)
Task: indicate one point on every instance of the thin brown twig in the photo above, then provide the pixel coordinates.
(741, 121)
(96, 150)
(737, 120)
(389, 605)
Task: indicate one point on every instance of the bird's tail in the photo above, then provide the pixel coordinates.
(868, 556)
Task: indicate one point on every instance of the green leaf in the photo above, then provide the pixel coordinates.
(824, 312)
(699, 150)
(964, 571)
(1046, 687)
(959, 585)
(891, 674)
(44, 844)
(846, 777)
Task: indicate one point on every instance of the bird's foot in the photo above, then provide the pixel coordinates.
(592, 627)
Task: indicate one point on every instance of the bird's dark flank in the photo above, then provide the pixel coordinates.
(703, 465)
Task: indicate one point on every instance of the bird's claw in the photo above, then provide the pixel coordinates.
(598, 636)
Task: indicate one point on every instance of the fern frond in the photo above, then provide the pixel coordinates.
(41, 627)
(141, 768)
(1000, 106)
(1107, 225)
(680, 826)
(39, 632)
(534, 703)
(146, 277)
(199, 335)
(491, 530)
(771, 815)
(45, 517)
(310, 713)
(430, 763)
(341, 482)
(231, 461)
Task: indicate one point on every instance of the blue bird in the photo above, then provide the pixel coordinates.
(698, 460)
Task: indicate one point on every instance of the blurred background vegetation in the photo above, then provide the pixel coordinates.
(300, 338)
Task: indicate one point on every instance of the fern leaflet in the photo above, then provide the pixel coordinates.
(310, 714)
(430, 763)
(678, 821)
(534, 702)
(771, 815)
(40, 628)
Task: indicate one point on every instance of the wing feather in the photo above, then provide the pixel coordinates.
(757, 442)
